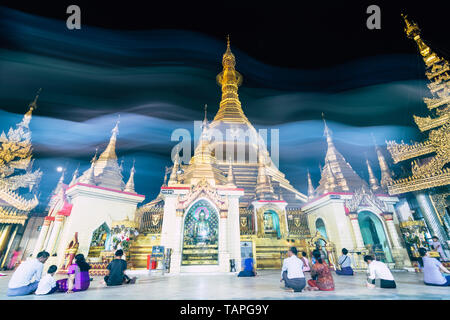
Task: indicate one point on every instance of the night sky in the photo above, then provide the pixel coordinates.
(155, 65)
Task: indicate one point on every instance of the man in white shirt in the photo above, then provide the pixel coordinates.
(292, 273)
(378, 269)
(20, 283)
(47, 285)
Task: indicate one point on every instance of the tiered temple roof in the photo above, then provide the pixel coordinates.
(17, 178)
(431, 157)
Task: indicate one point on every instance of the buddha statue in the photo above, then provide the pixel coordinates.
(201, 229)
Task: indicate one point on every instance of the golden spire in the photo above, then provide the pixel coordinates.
(372, 179)
(32, 106)
(264, 189)
(129, 187)
(88, 177)
(110, 151)
(310, 187)
(60, 182)
(230, 177)
(413, 32)
(337, 174)
(230, 109)
(386, 176)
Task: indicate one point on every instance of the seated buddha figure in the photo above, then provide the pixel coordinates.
(201, 229)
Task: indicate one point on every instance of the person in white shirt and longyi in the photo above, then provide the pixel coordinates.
(48, 284)
(291, 273)
(380, 270)
(21, 281)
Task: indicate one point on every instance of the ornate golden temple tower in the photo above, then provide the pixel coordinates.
(17, 180)
(430, 174)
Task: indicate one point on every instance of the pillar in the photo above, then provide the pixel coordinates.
(389, 219)
(54, 234)
(224, 255)
(10, 242)
(175, 263)
(430, 217)
(356, 230)
(4, 236)
(42, 236)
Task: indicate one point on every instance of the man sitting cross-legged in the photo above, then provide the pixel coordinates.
(20, 283)
(116, 269)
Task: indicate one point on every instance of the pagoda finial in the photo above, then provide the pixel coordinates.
(372, 179)
(74, 177)
(230, 177)
(310, 187)
(386, 176)
(326, 132)
(129, 187)
(32, 106)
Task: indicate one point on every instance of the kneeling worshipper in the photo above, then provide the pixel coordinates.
(249, 267)
(345, 262)
(21, 283)
(321, 276)
(78, 276)
(380, 270)
(48, 285)
(292, 272)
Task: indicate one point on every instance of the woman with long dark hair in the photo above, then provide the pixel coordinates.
(321, 275)
(78, 276)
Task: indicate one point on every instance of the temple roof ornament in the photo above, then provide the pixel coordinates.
(74, 177)
(373, 181)
(229, 79)
(264, 188)
(129, 187)
(310, 187)
(437, 146)
(16, 172)
(230, 176)
(337, 174)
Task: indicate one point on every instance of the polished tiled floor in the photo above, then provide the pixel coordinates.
(227, 286)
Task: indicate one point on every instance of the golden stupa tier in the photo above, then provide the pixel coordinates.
(415, 183)
(403, 151)
(433, 103)
(428, 123)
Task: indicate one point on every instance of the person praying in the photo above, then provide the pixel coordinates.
(78, 276)
(380, 270)
(249, 267)
(116, 268)
(432, 270)
(292, 272)
(48, 285)
(21, 283)
(437, 246)
(304, 258)
(321, 276)
(345, 262)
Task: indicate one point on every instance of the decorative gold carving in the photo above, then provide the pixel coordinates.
(297, 223)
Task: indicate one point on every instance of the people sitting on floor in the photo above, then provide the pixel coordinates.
(116, 268)
(345, 262)
(321, 276)
(432, 269)
(47, 285)
(249, 267)
(437, 246)
(304, 258)
(78, 276)
(380, 270)
(291, 272)
(21, 281)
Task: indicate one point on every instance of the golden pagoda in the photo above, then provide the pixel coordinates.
(429, 166)
(432, 155)
(17, 181)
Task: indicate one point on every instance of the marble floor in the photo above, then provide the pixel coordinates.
(227, 286)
